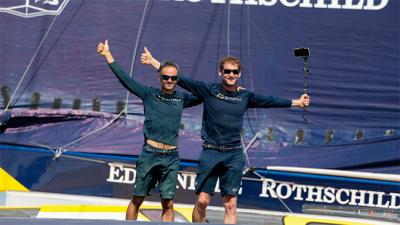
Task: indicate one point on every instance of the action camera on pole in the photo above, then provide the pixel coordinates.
(301, 52)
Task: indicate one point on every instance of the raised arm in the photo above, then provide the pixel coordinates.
(147, 59)
(129, 83)
(192, 100)
(302, 102)
(104, 50)
(260, 101)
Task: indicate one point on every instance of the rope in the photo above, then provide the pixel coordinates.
(50, 50)
(282, 202)
(135, 51)
(30, 63)
(58, 151)
(244, 150)
(253, 169)
(305, 71)
(228, 28)
(250, 71)
(93, 132)
(57, 154)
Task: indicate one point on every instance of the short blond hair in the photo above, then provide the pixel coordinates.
(229, 59)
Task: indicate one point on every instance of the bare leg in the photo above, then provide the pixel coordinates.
(133, 208)
(168, 210)
(199, 211)
(230, 204)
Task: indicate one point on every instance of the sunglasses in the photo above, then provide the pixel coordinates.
(167, 77)
(228, 71)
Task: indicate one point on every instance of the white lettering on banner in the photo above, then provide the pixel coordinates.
(125, 174)
(288, 191)
(314, 193)
(329, 195)
(216, 189)
(320, 4)
(357, 196)
(380, 203)
(55, 7)
(393, 201)
(299, 192)
(186, 181)
(129, 175)
(353, 197)
(370, 200)
(290, 3)
(339, 196)
(121, 174)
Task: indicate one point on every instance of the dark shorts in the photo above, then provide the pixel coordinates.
(157, 166)
(225, 165)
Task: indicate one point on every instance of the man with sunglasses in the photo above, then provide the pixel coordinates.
(222, 156)
(159, 159)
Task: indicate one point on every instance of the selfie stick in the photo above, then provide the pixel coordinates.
(305, 70)
(304, 53)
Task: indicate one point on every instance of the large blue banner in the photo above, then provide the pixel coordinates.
(353, 79)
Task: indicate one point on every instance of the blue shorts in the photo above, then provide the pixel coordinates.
(225, 165)
(157, 165)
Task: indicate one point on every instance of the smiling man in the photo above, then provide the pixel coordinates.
(222, 156)
(159, 159)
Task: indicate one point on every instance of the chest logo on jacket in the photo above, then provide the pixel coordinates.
(224, 97)
(168, 99)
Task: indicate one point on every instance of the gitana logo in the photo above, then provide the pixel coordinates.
(33, 8)
(220, 96)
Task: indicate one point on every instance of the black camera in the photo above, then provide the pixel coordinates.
(301, 52)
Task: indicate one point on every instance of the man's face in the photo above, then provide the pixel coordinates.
(230, 74)
(168, 78)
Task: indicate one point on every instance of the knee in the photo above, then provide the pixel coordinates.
(168, 205)
(203, 202)
(230, 205)
(137, 201)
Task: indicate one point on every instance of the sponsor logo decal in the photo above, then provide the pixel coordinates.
(317, 4)
(331, 195)
(33, 8)
(169, 99)
(224, 97)
(126, 174)
(272, 189)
